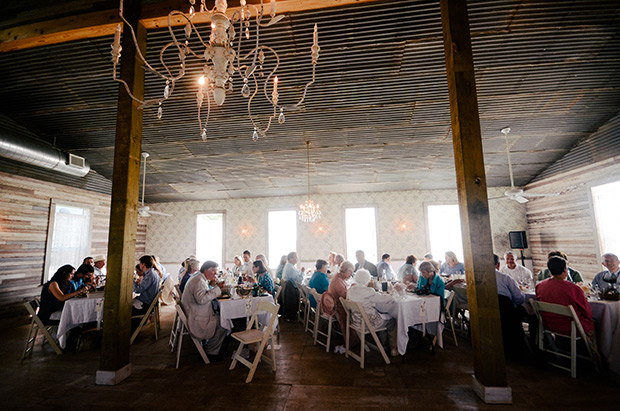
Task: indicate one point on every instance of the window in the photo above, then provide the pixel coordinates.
(282, 233)
(210, 237)
(361, 232)
(444, 230)
(606, 199)
(68, 237)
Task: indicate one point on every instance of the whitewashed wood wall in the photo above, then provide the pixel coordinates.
(567, 222)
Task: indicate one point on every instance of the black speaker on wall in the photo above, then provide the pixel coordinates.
(517, 239)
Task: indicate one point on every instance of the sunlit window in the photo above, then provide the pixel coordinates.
(444, 230)
(69, 237)
(210, 237)
(606, 199)
(361, 232)
(282, 233)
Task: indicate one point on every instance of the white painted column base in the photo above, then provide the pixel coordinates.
(492, 395)
(113, 377)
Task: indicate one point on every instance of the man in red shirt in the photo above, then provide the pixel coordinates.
(557, 290)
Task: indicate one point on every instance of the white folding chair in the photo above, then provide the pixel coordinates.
(183, 330)
(174, 331)
(449, 297)
(577, 333)
(318, 315)
(303, 303)
(35, 325)
(152, 311)
(309, 315)
(259, 337)
(365, 327)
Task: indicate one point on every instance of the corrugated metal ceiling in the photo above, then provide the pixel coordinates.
(378, 116)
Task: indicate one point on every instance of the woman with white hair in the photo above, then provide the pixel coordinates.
(452, 265)
(362, 292)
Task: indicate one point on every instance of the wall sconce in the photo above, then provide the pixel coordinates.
(245, 232)
(403, 226)
(321, 230)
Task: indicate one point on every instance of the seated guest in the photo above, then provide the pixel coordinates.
(290, 294)
(384, 268)
(331, 261)
(88, 260)
(263, 277)
(55, 292)
(148, 287)
(573, 275)
(237, 264)
(183, 268)
(192, 269)
(280, 268)
(246, 268)
(84, 276)
(100, 271)
(363, 292)
(319, 280)
(452, 265)
(407, 272)
(339, 259)
(608, 278)
(429, 279)
(330, 302)
(521, 275)
(507, 286)
(203, 323)
(558, 291)
(362, 263)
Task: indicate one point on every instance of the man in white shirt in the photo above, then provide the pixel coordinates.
(246, 268)
(520, 274)
(607, 278)
(384, 268)
(100, 271)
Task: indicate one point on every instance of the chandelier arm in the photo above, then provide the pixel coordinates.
(308, 84)
(271, 73)
(180, 13)
(256, 124)
(172, 78)
(208, 113)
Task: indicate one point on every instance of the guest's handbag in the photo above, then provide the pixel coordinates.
(426, 290)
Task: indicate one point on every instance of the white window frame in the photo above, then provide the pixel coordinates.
(597, 183)
(428, 229)
(344, 230)
(54, 204)
(223, 212)
(273, 263)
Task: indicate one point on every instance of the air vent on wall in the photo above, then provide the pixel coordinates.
(77, 161)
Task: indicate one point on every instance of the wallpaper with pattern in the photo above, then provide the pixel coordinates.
(174, 238)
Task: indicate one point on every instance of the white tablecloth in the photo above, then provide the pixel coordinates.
(242, 307)
(77, 311)
(414, 310)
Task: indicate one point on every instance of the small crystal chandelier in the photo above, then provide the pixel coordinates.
(308, 211)
(222, 60)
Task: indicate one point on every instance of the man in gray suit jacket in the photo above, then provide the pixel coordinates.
(203, 322)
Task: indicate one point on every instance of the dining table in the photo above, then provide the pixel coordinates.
(240, 307)
(77, 311)
(410, 310)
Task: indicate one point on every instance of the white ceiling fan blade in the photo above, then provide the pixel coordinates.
(498, 198)
(520, 199)
(153, 212)
(540, 194)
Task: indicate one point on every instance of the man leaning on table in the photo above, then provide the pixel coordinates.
(203, 323)
(608, 278)
(515, 270)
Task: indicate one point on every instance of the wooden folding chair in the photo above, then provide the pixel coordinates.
(153, 311)
(449, 297)
(364, 328)
(259, 337)
(318, 315)
(35, 325)
(575, 327)
(183, 330)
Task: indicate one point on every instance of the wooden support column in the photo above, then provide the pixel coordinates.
(486, 333)
(115, 365)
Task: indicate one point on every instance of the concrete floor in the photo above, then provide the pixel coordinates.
(307, 378)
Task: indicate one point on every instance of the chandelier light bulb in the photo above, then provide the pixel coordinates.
(201, 80)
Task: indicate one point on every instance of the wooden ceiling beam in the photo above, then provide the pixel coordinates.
(103, 23)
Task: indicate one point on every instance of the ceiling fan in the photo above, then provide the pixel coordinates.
(517, 194)
(144, 210)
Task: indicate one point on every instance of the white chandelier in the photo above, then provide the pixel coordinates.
(220, 59)
(308, 211)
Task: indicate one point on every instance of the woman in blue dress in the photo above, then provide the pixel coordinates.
(429, 278)
(263, 278)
